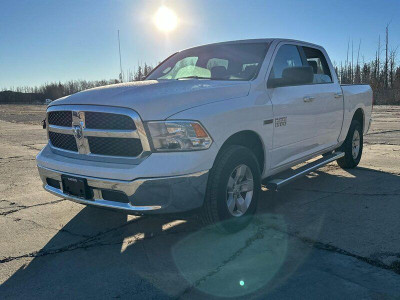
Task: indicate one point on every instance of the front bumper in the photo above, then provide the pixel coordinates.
(148, 195)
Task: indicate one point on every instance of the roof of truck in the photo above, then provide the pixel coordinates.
(265, 40)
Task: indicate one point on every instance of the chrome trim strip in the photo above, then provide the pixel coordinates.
(97, 132)
(269, 121)
(60, 129)
(102, 158)
(111, 133)
(99, 202)
(142, 134)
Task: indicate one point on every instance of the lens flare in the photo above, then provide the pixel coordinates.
(165, 19)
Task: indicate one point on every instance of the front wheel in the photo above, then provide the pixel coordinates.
(352, 147)
(233, 190)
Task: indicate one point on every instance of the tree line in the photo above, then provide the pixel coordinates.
(55, 90)
(382, 73)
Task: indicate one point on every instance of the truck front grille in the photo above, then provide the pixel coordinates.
(60, 118)
(118, 133)
(63, 141)
(115, 146)
(98, 120)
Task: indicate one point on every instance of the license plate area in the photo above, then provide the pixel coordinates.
(76, 186)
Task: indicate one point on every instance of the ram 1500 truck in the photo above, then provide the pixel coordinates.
(204, 130)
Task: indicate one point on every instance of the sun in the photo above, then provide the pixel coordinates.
(165, 19)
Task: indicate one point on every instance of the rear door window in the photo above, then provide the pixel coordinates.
(316, 59)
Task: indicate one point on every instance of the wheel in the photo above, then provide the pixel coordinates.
(233, 190)
(352, 147)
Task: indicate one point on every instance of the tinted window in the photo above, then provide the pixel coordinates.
(316, 59)
(288, 56)
(235, 61)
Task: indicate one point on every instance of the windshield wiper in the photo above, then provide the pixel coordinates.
(193, 77)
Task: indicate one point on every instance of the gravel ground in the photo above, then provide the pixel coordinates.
(333, 234)
(24, 114)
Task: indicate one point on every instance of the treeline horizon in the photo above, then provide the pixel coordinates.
(382, 73)
(55, 90)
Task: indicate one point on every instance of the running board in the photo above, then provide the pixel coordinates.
(276, 183)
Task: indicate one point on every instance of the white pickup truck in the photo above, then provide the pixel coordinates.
(204, 130)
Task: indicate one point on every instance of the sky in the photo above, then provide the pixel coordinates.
(57, 40)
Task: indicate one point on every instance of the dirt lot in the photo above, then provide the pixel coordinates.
(24, 114)
(333, 234)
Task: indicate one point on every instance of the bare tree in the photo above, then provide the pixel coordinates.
(385, 72)
(392, 59)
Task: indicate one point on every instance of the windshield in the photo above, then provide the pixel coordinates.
(239, 61)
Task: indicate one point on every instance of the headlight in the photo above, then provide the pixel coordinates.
(179, 136)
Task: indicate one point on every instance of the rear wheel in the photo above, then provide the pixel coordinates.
(352, 147)
(233, 190)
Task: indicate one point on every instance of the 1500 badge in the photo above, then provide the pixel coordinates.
(280, 121)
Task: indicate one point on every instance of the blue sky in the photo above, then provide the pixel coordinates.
(58, 40)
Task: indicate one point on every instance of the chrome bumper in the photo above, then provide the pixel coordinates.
(151, 195)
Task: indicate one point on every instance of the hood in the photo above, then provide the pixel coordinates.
(157, 100)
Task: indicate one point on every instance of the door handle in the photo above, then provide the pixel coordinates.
(308, 99)
(338, 95)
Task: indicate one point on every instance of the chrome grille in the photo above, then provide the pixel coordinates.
(60, 118)
(115, 146)
(63, 141)
(98, 120)
(99, 133)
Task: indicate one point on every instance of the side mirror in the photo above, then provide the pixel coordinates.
(293, 76)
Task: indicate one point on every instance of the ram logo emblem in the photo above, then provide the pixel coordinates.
(78, 133)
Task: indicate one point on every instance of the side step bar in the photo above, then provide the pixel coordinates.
(276, 183)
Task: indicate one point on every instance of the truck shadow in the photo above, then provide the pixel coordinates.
(112, 255)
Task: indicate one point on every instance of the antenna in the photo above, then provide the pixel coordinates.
(121, 76)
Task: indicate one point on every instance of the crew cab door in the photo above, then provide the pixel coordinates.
(295, 109)
(328, 96)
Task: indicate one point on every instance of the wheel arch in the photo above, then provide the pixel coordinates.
(359, 116)
(249, 139)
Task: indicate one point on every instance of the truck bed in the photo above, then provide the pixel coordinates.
(357, 96)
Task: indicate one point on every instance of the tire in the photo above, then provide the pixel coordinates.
(352, 158)
(230, 182)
